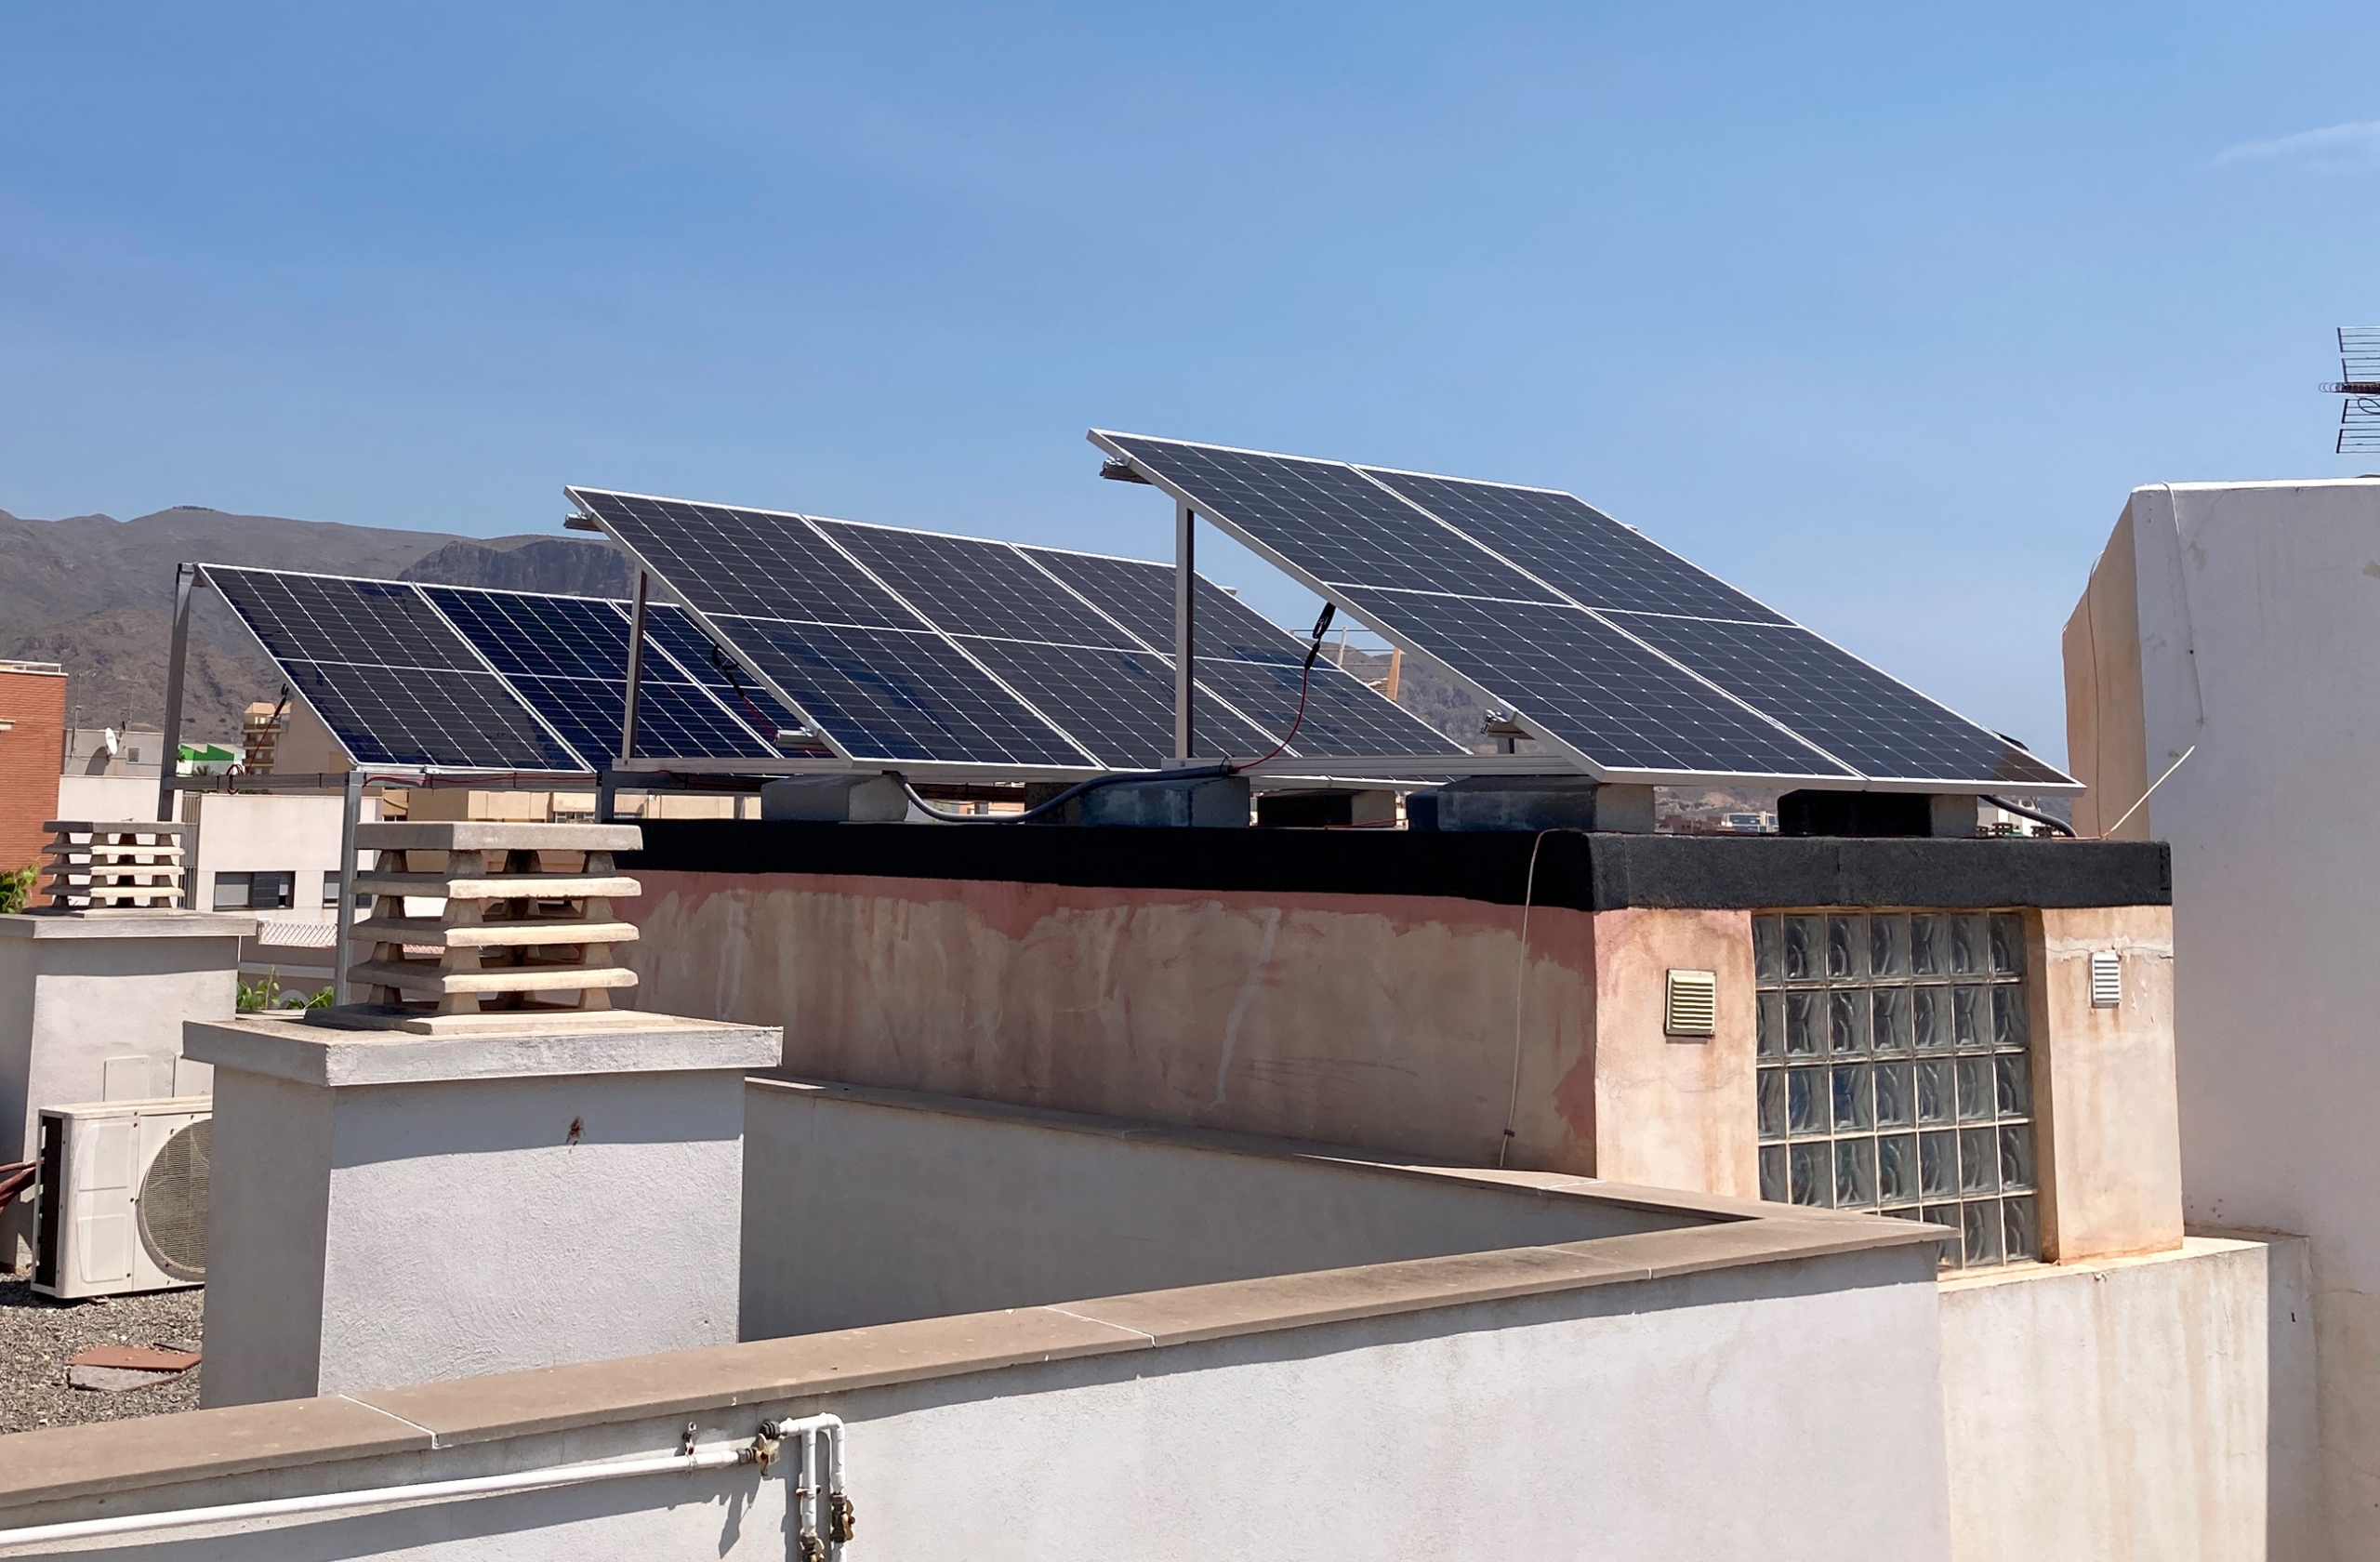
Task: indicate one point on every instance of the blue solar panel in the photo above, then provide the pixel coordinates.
(1117, 703)
(1330, 520)
(1577, 548)
(674, 630)
(985, 653)
(966, 587)
(1879, 726)
(1584, 684)
(392, 680)
(1139, 596)
(1600, 640)
(1344, 717)
(568, 658)
(752, 562)
(899, 694)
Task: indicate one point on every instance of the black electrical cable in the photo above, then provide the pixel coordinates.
(2060, 825)
(1305, 677)
(1141, 778)
(1124, 778)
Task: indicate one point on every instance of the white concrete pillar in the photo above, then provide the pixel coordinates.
(91, 1008)
(393, 1208)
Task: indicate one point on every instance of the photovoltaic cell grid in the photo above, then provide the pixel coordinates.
(674, 630)
(1603, 639)
(394, 682)
(932, 647)
(456, 678)
(568, 658)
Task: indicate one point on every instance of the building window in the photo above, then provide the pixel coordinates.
(1896, 1074)
(255, 892)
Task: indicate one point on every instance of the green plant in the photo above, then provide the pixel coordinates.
(265, 993)
(17, 887)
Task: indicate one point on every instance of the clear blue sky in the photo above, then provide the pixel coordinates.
(1878, 310)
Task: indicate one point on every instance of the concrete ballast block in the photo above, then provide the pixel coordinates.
(835, 800)
(1205, 802)
(1536, 802)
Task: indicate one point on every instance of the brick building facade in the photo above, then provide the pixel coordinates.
(33, 735)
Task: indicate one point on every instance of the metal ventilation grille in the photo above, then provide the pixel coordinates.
(1692, 1007)
(2106, 980)
(173, 1203)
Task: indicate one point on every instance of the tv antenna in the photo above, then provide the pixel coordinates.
(2359, 381)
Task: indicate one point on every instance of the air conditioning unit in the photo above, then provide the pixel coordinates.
(122, 1201)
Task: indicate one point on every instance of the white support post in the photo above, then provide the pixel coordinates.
(1186, 577)
(350, 812)
(169, 762)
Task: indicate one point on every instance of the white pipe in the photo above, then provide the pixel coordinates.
(332, 1502)
(814, 1470)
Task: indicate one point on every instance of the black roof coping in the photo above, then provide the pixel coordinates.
(1584, 872)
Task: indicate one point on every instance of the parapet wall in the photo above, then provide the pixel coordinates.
(1481, 999)
(865, 1206)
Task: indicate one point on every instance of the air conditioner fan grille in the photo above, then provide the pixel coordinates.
(173, 1203)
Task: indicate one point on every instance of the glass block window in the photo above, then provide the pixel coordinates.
(1896, 1072)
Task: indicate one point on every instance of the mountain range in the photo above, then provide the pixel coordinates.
(96, 595)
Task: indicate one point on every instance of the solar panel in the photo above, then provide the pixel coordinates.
(899, 694)
(1863, 717)
(568, 658)
(966, 651)
(749, 562)
(1139, 596)
(1239, 652)
(393, 681)
(1335, 522)
(966, 587)
(1601, 640)
(1577, 548)
(674, 630)
(1585, 683)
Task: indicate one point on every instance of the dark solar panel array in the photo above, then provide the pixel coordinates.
(393, 681)
(961, 650)
(456, 678)
(568, 657)
(1600, 639)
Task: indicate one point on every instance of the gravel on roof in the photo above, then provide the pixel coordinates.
(37, 1334)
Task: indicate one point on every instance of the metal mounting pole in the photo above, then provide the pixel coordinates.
(169, 762)
(342, 955)
(1186, 577)
(636, 672)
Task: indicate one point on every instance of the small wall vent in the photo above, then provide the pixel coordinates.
(2106, 980)
(1691, 1005)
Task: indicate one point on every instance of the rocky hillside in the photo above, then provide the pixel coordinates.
(97, 595)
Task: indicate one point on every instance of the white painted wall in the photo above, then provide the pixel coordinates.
(2158, 1408)
(77, 991)
(429, 1222)
(2258, 611)
(861, 1210)
(107, 798)
(273, 833)
(1782, 1410)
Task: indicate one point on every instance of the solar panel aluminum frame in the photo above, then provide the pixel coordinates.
(1107, 441)
(200, 578)
(843, 760)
